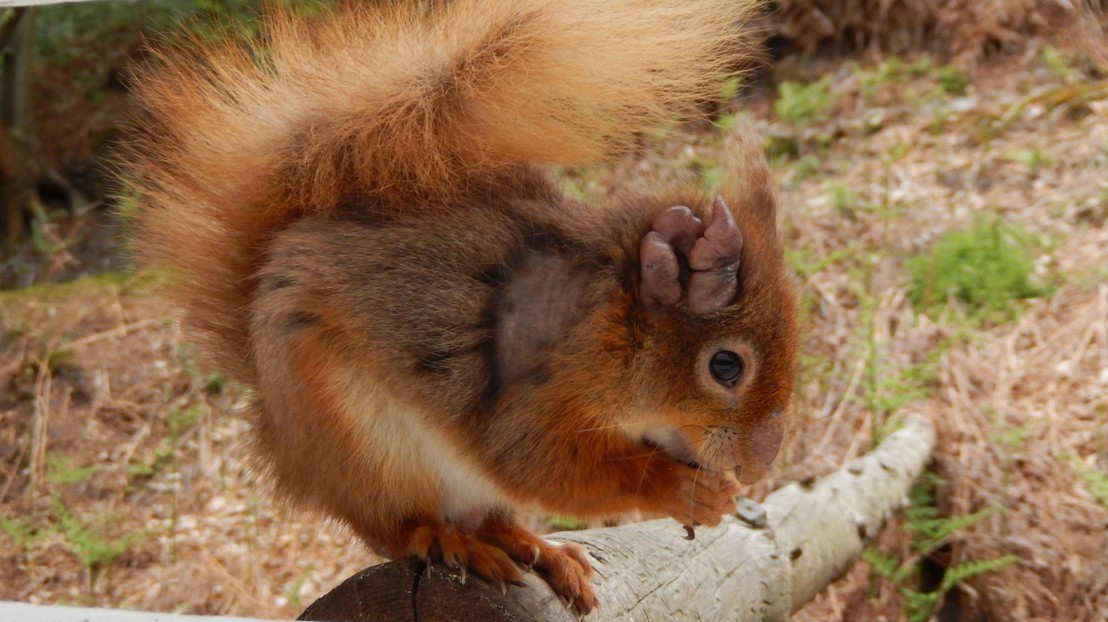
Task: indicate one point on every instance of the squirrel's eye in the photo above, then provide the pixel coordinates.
(726, 367)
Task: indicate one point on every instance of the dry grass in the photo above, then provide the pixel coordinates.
(95, 374)
(1015, 403)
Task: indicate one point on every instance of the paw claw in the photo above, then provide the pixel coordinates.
(697, 497)
(443, 543)
(565, 568)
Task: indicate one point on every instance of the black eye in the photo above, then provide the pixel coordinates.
(726, 367)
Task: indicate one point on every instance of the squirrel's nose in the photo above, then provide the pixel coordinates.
(760, 448)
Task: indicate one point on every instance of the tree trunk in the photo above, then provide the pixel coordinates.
(762, 564)
(19, 169)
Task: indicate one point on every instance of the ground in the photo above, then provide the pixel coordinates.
(124, 478)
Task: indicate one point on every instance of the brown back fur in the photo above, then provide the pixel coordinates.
(393, 101)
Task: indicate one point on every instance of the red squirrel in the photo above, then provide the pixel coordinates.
(366, 228)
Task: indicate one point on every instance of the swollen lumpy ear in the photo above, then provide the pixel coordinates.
(682, 260)
(660, 272)
(714, 262)
(675, 231)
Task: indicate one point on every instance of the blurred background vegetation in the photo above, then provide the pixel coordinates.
(64, 88)
(65, 80)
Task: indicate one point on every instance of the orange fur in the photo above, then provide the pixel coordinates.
(396, 100)
(360, 214)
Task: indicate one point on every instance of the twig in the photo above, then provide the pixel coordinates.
(118, 331)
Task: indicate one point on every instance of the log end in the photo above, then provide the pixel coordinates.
(406, 591)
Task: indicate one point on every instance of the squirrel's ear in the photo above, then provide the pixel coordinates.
(710, 268)
(674, 231)
(748, 178)
(714, 262)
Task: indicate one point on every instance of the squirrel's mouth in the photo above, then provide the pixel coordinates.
(680, 457)
(672, 443)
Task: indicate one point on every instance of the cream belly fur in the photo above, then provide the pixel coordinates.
(415, 452)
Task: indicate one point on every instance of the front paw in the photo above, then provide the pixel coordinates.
(565, 568)
(697, 496)
(439, 542)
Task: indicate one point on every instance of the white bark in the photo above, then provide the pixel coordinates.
(763, 564)
(829, 524)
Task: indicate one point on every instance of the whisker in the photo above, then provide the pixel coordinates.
(634, 457)
(693, 426)
(642, 479)
(602, 427)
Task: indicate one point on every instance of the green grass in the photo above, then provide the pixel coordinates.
(22, 532)
(565, 523)
(987, 268)
(1034, 158)
(214, 382)
(886, 392)
(951, 80)
(843, 198)
(800, 259)
(165, 454)
(95, 542)
(1059, 65)
(1095, 481)
(91, 284)
(83, 38)
(69, 33)
(804, 103)
(61, 470)
(781, 146)
(891, 70)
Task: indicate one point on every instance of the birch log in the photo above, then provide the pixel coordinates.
(762, 564)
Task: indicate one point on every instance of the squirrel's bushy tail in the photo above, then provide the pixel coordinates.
(398, 103)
